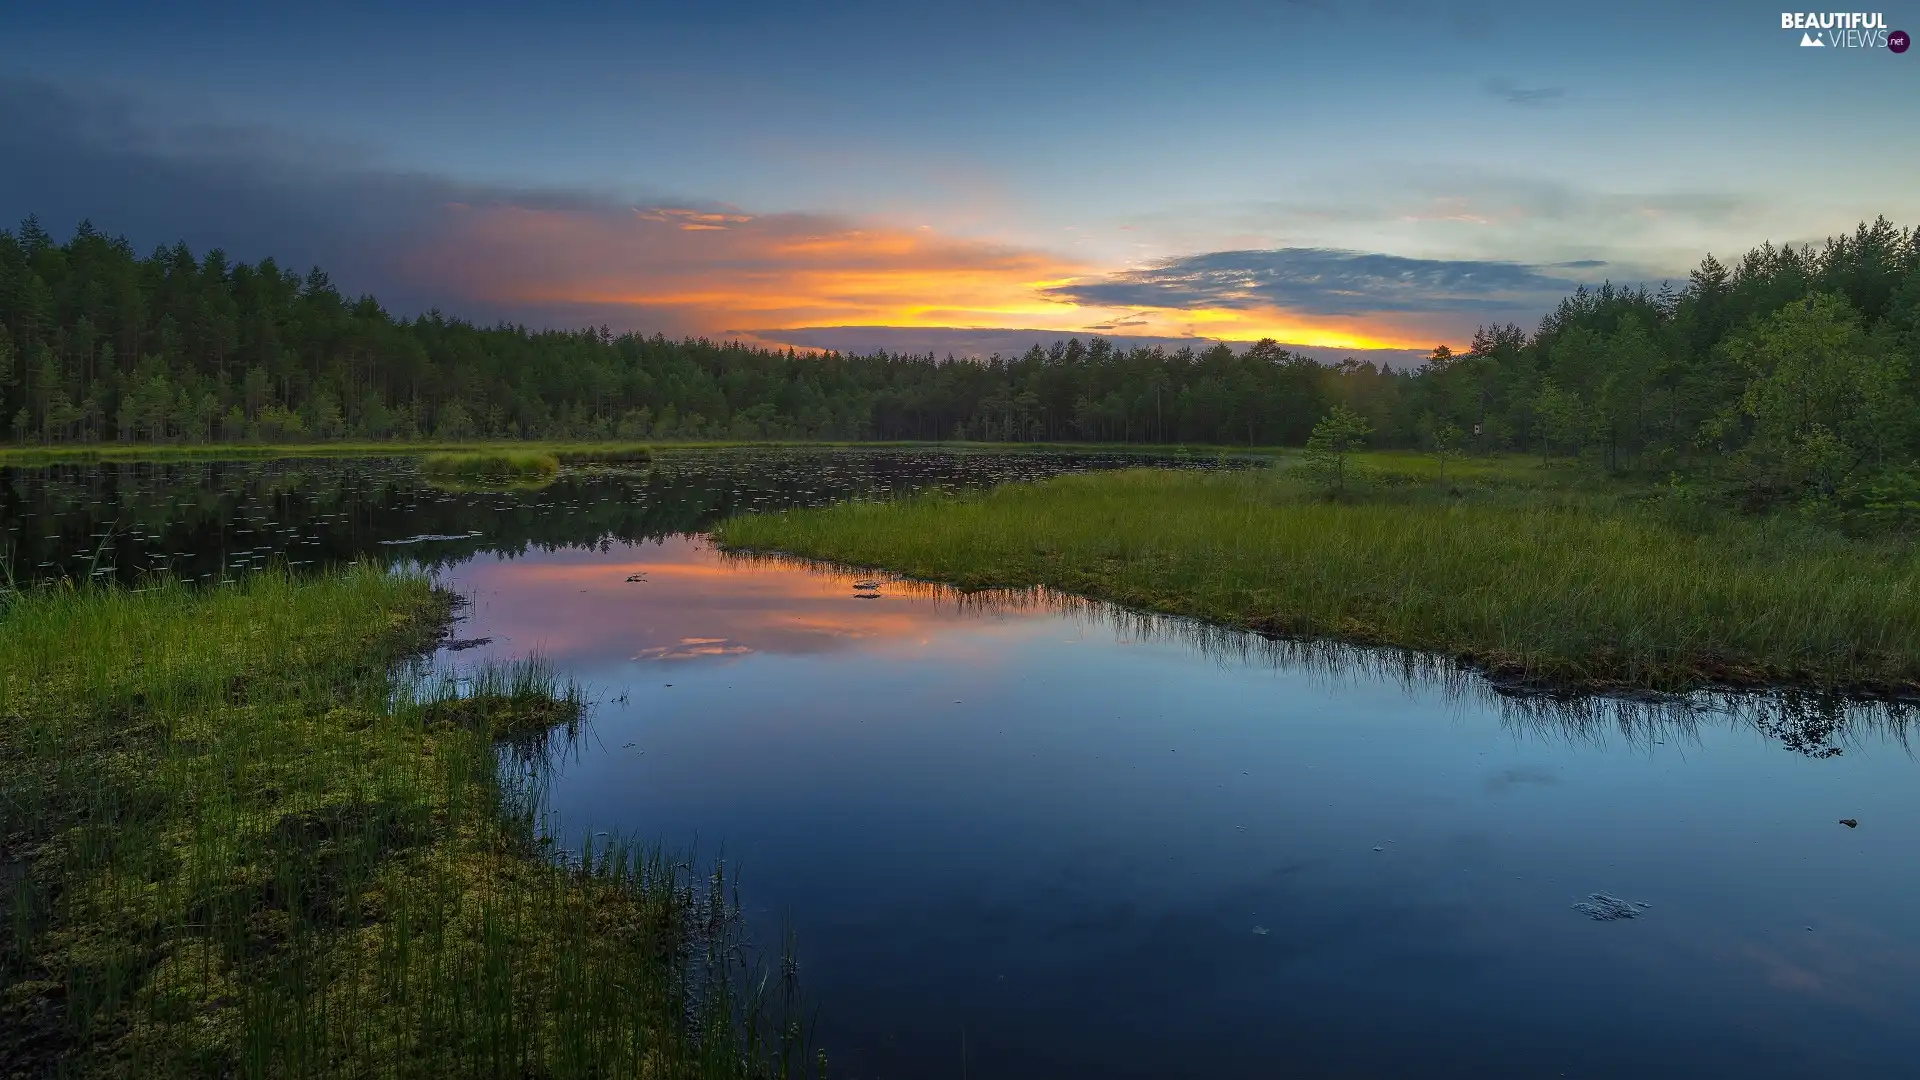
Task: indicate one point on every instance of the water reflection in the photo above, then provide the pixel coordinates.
(212, 521)
(1813, 723)
(1108, 844)
(1095, 843)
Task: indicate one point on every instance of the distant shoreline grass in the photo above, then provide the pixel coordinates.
(160, 452)
(235, 842)
(567, 451)
(1535, 584)
(469, 466)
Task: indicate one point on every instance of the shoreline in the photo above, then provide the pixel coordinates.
(244, 835)
(1522, 593)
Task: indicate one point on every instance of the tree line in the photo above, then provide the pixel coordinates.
(1796, 363)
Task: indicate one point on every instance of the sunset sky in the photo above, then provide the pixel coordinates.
(959, 177)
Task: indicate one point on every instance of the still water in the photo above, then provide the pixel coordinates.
(1023, 836)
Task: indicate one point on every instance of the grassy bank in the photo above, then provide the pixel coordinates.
(236, 840)
(1530, 578)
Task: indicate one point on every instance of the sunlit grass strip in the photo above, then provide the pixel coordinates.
(237, 842)
(492, 464)
(1527, 583)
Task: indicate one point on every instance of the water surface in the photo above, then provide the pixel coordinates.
(1079, 843)
(1020, 836)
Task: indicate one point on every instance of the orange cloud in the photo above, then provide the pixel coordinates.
(731, 273)
(696, 605)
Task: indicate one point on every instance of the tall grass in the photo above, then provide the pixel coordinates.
(535, 465)
(1530, 582)
(240, 841)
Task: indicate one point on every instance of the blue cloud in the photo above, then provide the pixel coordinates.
(1329, 281)
(1514, 94)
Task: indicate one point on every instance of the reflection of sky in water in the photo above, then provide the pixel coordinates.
(1060, 833)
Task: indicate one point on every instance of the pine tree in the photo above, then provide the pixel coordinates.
(1337, 435)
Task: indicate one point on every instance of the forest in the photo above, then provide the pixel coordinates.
(1794, 367)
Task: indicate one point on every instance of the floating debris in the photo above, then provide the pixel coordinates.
(1261, 930)
(1603, 908)
(466, 643)
(636, 577)
(1850, 823)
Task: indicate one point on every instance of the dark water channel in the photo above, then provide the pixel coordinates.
(1023, 836)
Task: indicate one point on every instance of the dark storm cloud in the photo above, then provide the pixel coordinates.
(252, 192)
(484, 252)
(1327, 281)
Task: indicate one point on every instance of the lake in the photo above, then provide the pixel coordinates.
(1021, 835)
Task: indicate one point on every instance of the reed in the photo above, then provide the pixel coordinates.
(1538, 581)
(245, 836)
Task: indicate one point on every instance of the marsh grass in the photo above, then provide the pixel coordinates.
(566, 452)
(241, 836)
(524, 465)
(1533, 577)
(569, 452)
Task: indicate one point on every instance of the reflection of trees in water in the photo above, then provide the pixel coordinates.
(197, 519)
(1812, 723)
(202, 516)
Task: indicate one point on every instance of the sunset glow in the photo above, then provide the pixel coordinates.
(733, 274)
(1242, 185)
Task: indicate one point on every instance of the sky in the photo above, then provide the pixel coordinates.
(968, 178)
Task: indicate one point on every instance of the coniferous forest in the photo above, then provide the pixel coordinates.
(1794, 367)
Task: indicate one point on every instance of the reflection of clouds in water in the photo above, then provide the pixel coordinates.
(698, 603)
(1845, 964)
(694, 649)
(579, 607)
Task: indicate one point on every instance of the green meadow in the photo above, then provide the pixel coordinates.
(245, 835)
(1540, 575)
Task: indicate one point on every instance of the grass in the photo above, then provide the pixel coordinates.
(1519, 572)
(239, 836)
(619, 452)
(535, 466)
(566, 452)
